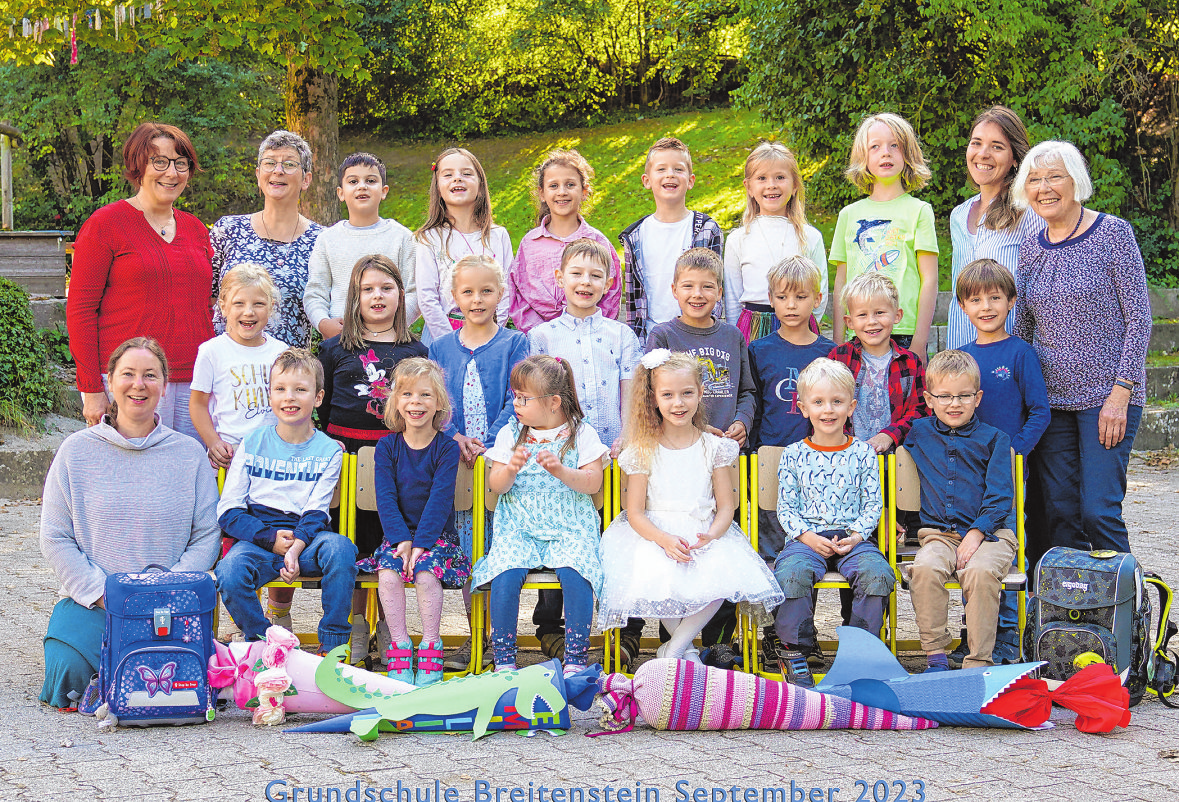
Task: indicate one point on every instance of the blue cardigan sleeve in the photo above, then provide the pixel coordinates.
(517, 352)
(440, 504)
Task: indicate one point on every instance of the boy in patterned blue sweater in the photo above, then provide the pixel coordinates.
(829, 503)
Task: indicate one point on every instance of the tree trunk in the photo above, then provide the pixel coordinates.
(313, 113)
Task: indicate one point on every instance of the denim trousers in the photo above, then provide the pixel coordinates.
(248, 567)
(504, 604)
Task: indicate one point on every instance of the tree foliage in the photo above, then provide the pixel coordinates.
(1102, 74)
(75, 119)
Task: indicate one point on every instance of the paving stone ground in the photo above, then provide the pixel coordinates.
(47, 755)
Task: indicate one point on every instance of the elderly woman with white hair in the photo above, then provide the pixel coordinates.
(278, 236)
(1083, 306)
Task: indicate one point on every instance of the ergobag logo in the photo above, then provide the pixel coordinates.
(1081, 586)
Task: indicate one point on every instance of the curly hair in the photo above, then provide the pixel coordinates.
(644, 425)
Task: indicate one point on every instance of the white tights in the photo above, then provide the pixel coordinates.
(684, 630)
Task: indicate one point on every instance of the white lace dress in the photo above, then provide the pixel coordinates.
(641, 581)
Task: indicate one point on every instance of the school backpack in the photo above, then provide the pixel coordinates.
(156, 647)
(1097, 602)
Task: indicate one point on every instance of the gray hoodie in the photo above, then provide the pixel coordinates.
(113, 505)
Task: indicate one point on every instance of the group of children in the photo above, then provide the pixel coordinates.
(552, 397)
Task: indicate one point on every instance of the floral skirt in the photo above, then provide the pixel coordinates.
(445, 560)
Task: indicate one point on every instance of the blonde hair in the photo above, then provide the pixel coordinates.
(480, 261)
(299, 359)
(560, 158)
(668, 143)
(945, 364)
(820, 370)
(412, 369)
(796, 206)
(549, 375)
(795, 271)
(644, 425)
(915, 173)
(148, 344)
(590, 248)
(437, 215)
(248, 274)
(869, 287)
(701, 259)
(982, 275)
(352, 337)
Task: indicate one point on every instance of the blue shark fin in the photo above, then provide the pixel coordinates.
(861, 656)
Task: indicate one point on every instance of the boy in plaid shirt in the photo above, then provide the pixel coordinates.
(890, 380)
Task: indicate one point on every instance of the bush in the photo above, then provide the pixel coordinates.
(26, 385)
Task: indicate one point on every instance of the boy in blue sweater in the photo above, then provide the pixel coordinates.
(1014, 398)
(275, 503)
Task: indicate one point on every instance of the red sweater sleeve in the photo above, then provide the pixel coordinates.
(128, 282)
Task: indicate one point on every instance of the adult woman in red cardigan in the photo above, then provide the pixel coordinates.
(143, 268)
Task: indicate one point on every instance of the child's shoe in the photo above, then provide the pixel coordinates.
(359, 642)
(400, 661)
(384, 639)
(91, 698)
(792, 664)
(1006, 651)
(429, 664)
(961, 651)
(936, 663)
(720, 655)
(283, 621)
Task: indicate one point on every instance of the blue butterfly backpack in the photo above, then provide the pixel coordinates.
(156, 647)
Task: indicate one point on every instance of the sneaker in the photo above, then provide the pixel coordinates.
(429, 664)
(793, 666)
(815, 658)
(629, 647)
(960, 653)
(934, 668)
(91, 698)
(399, 659)
(358, 644)
(553, 645)
(459, 660)
(1006, 651)
(720, 656)
(283, 621)
(771, 644)
(384, 641)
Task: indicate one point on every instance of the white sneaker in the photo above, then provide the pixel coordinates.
(692, 655)
(283, 621)
(358, 644)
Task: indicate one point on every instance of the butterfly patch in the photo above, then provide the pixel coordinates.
(158, 683)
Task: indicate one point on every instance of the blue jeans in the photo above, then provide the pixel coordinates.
(504, 603)
(1081, 484)
(799, 567)
(248, 567)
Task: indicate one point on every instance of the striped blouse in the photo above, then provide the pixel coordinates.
(985, 243)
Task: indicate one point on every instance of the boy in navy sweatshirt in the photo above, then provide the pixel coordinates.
(1014, 398)
(275, 505)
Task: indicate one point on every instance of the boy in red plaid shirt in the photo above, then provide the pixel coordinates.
(890, 380)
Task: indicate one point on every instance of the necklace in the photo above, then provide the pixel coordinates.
(382, 331)
(284, 246)
(1070, 234)
(162, 227)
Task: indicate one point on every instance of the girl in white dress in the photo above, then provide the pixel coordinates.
(675, 552)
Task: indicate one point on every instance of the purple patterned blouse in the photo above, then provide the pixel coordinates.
(1083, 306)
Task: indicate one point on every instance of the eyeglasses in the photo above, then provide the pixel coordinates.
(946, 400)
(522, 400)
(1053, 180)
(270, 166)
(161, 163)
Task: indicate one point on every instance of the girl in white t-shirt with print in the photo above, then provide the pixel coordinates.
(773, 228)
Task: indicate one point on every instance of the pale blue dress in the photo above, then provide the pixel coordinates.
(541, 521)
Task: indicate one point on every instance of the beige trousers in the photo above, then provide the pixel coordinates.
(981, 580)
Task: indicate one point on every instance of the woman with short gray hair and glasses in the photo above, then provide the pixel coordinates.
(277, 237)
(1082, 304)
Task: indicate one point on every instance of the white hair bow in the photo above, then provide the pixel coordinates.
(655, 358)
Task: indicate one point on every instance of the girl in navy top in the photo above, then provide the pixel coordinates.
(415, 478)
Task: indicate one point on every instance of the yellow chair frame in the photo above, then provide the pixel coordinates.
(905, 493)
(764, 479)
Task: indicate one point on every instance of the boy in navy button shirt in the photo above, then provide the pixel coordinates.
(967, 516)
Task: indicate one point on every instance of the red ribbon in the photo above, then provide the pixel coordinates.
(1095, 694)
